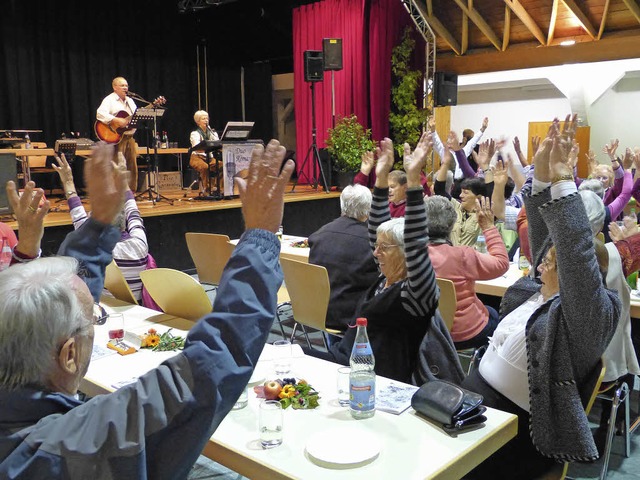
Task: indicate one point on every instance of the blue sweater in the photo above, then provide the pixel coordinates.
(156, 427)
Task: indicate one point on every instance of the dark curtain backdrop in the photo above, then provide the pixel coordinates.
(57, 60)
(369, 31)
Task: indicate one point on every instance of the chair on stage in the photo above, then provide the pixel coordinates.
(308, 288)
(210, 253)
(176, 293)
(117, 285)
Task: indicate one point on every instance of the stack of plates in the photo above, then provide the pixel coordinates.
(343, 448)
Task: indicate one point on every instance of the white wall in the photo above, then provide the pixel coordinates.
(606, 94)
(508, 116)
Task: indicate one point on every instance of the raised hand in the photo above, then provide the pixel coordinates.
(367, 163)
(573, 154)
(516, 145)
(610, 149)
(106, 183)
(30, 211)
(629, 228)
(568, 133)
(262, 193)
(415, 162)
(385, 162)
(541, 158)
(64, 171)
(485, 124)
(592, 163)
(453, 142)
(501, 173)
(627, 161)
(559, 163)
(431, 124)
(484, 214)
(535, 144)
(485, 152)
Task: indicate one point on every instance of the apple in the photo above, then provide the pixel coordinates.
(271, 390)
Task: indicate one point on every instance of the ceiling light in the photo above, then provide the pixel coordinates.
(567, 43)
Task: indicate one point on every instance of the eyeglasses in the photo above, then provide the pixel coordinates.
(382, 247)
(100, 315)
(547, 263)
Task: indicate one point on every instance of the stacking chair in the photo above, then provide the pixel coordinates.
(308, 288)
(210, 253)
(618, 394)
(176, 293)
(448, 301)
(117, 285)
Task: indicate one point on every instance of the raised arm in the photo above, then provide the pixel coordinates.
(30, 211)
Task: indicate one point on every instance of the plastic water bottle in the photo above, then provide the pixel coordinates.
(362, 379)
(5, 254)
(524, 265)
(481, 244)
(280, 233)
(27, 141)
(165, 140)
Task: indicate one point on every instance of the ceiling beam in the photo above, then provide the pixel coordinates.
(582, 17)
(612, 47)
(633, 6)
(603, 22)
(552, 22)
(440, 29)
(506, 34)
(464, 40)
(480, 22)
(525, 18)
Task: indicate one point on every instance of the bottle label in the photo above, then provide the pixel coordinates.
(362, 394)
(360, 349)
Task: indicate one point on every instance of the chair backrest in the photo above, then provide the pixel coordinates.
(117, 285)
(596, 388)
(176, 293)
(210, 253)
(36, 162)
(448, 301)
(308, 288)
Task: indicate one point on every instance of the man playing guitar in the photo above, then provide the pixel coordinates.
(111, 105)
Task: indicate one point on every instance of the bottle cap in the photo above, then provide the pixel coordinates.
(361, 322)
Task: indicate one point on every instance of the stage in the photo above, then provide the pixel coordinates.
(305, 210)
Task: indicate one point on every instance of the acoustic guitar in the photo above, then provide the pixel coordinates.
(112, 135)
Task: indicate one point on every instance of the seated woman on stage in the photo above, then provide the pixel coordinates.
(473, 322)
(400, 304)
(200, 161)
(543, 359)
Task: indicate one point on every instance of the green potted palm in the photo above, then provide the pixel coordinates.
(346, 143)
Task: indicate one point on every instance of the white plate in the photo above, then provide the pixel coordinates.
(256, 377)
(336, 448)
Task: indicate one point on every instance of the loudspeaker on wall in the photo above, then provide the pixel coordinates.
(445, 89)
(7, 172)
(332, 52)
(313, 66)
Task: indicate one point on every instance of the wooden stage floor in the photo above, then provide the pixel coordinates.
(184, 201)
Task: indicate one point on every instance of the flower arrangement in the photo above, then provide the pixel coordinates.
(297, 394)
(161, 343)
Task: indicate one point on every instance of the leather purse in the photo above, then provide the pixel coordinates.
(453, 408)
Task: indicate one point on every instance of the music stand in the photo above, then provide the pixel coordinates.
(313, 150)
(144, 115)
(208, 146)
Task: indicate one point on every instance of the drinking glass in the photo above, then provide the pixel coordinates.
(282, 357)
(270, 419)
(115, 323)
(343, 386)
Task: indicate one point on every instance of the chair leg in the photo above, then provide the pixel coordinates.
(626, 398)
(284, 337)
(610, 433)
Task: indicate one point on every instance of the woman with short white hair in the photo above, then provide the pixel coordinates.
(200, 161)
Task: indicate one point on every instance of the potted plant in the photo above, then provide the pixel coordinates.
(346, 143)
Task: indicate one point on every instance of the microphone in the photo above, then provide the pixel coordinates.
(132, 95)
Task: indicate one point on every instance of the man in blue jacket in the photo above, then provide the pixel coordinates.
(156, 427)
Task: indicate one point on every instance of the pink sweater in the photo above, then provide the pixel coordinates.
(463, 266)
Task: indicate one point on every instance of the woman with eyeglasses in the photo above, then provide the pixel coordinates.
(401, 302)
(543, 359)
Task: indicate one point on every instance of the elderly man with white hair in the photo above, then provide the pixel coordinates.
(157, 426)
(342, 247)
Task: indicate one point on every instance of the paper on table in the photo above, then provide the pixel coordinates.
(393, 397)
(99, 351)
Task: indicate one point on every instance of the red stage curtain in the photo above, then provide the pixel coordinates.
(369, 30)
(311, 23)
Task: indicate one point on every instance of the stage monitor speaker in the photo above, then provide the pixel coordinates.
(332, 52)
(313, 66)
(7, 172)
(446, 89)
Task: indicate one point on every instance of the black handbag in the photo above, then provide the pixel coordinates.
(450, 406)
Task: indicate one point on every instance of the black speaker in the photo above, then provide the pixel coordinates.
(7, 172)
(446, 89)
(332, 52)
(313, 68)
